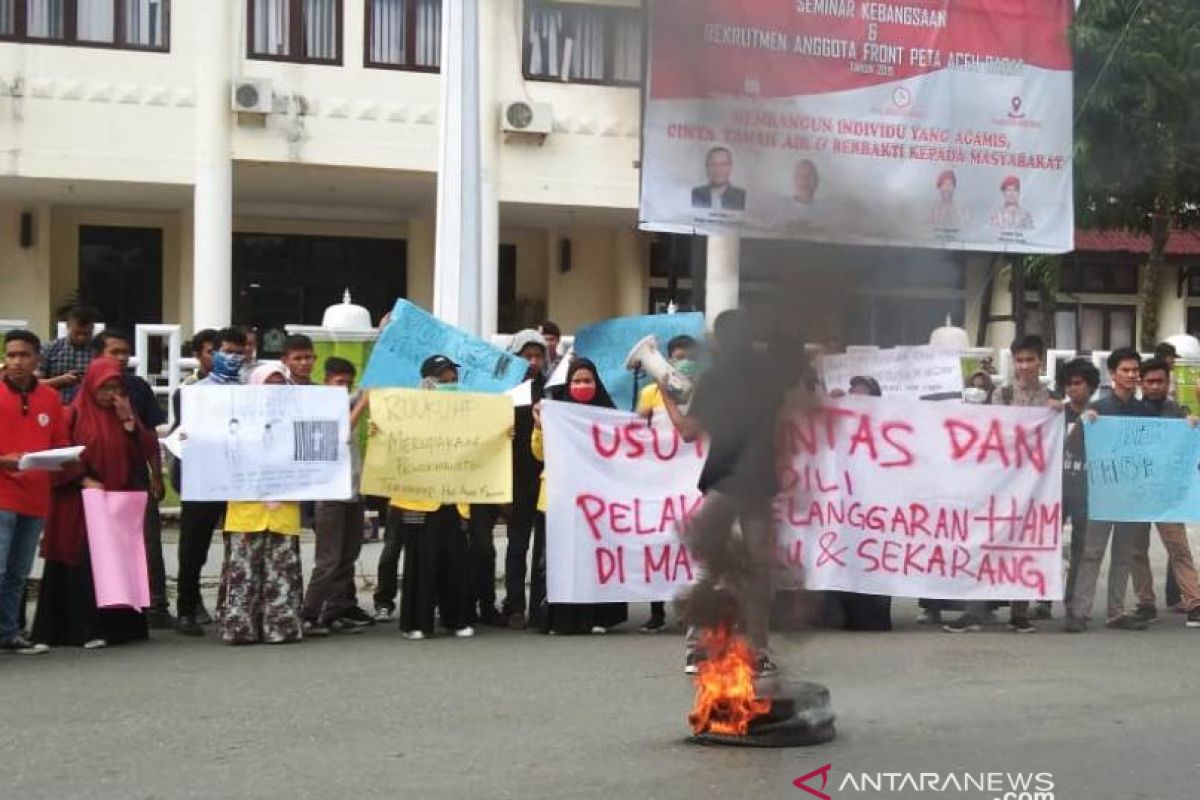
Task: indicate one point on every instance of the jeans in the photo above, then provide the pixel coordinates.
(1180, 565)
(520, 527)
(197, 521)
(19, 536)
(1125, 537)
(1074, 510)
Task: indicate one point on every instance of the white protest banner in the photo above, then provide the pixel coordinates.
(617, 490)
(902, 372)
(919, 499)
(921, 124)
(867, 504)
(266, 443)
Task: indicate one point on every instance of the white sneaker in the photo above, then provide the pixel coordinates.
(414, 636)
(599, 630)
(464, 633)
(21, 646)
(95, 644)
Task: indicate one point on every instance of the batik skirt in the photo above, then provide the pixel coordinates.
(262, 589)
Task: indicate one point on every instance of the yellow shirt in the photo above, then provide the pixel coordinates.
(537, 445)
(650, 399)
(426, 506)
(242, 517)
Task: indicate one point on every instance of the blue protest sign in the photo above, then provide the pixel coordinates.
(414, 335)
(608, 344)
(1142, 469)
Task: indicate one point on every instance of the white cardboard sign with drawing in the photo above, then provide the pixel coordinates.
(266, 443)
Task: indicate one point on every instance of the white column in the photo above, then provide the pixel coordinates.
(723, 275)
(456, 283)
(489, 173)
(212, 248)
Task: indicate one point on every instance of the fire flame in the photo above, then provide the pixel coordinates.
(725, 698)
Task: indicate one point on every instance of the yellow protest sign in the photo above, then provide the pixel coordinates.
(445, 447)
(1186, 376)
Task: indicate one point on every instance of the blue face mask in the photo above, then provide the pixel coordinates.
(227, 366)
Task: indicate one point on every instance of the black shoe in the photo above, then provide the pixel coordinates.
(692, 661)
(314, 628)
(357, 617)
(159, 619)
(494, 619)
(23, 647)
(517, 621)
(967, 623)
(1193, 618)
(188, 625)
(1021, 625)
(202, 615)
(1126, 622)
(654, 625)
(1146, 614)
(343, 625)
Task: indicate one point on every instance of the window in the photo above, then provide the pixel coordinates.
(1193, 320)
(1080, 276)
(306, 31)
(130, 24)
(404, 34)
(674, 260)
(1091, 327)
(579, 43)
(120, 272)
(893, 320)
(287, 279)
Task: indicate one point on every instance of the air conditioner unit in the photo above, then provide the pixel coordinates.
(253, 96)
(523, 117)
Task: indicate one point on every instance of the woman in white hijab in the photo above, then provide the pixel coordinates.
(261, 579)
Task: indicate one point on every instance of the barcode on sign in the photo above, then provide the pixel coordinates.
(316, 440)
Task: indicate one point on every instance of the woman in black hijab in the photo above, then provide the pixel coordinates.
(583, 386)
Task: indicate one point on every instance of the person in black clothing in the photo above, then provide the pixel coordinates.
(736, 403)
(584, 387)
(1077, 382)
(523, 519)
(221, 361)
(115, 343)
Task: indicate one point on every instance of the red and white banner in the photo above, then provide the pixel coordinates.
(925, 123)
(893, 497)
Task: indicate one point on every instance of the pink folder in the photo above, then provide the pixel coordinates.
(114, 528)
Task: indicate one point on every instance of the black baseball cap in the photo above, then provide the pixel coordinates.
(436, 365)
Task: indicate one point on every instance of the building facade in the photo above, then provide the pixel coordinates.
(198, 162)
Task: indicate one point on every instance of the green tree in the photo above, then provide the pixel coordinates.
(1137, 134)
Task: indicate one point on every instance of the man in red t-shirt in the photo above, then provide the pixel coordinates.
(31, 419)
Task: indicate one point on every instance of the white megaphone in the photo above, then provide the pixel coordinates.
(645, 357)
